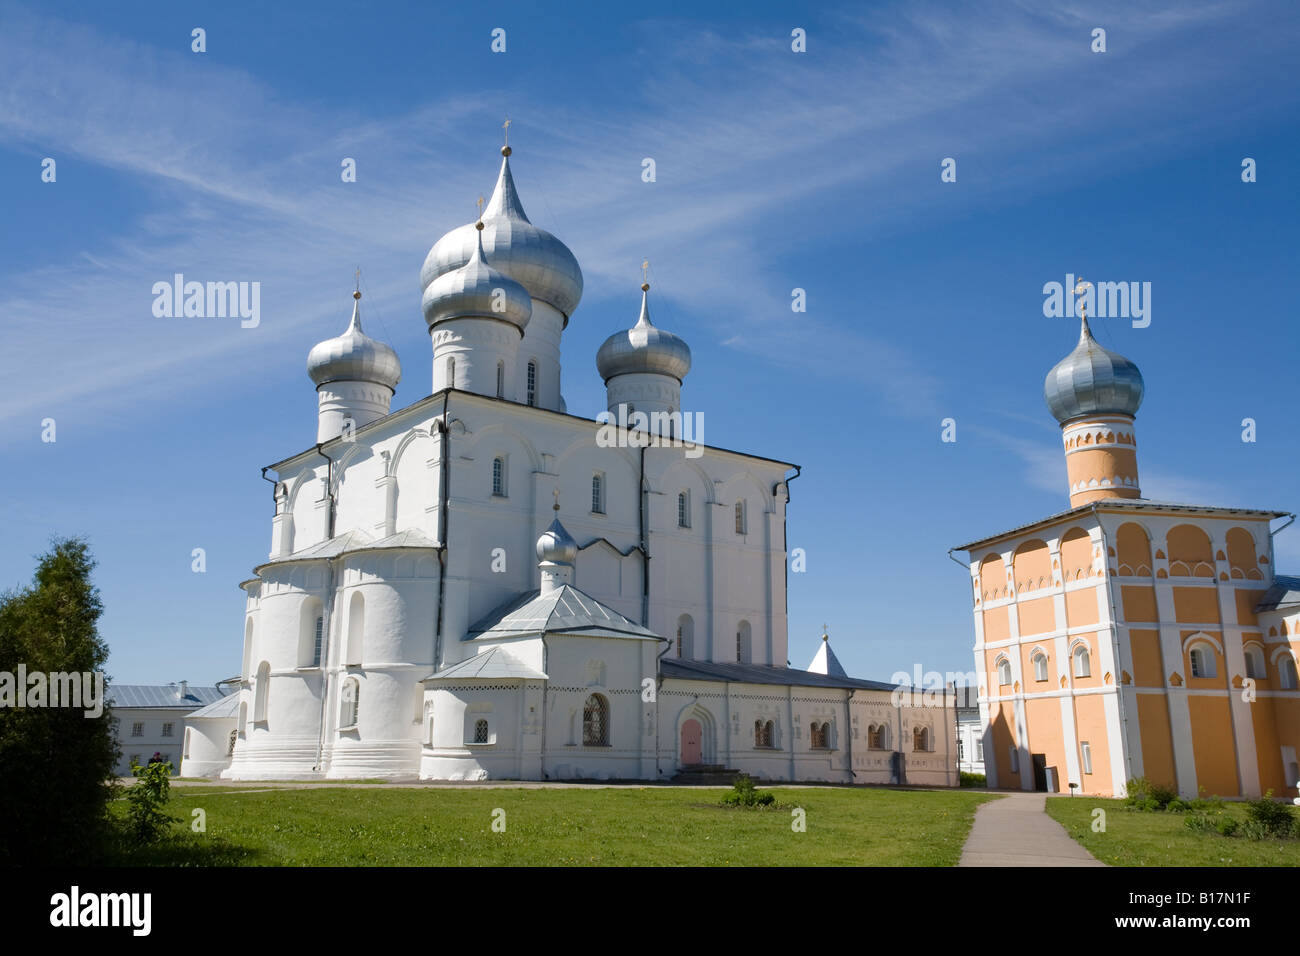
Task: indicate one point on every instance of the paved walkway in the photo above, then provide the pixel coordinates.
(1016, 831)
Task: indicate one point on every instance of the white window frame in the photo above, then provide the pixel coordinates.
(1081, 652)
(499, 488)
(684, 509)
(1040, 666)
(598, 493)
(1085, 752)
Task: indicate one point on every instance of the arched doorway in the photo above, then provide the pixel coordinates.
(692, 735)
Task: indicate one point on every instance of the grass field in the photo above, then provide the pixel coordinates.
(361, 826)
(1136, 838)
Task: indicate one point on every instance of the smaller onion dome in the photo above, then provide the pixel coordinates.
(556, 546)
(526, 253)
(1092, 380)
(477, 290)
(644, 348)
(354, 356)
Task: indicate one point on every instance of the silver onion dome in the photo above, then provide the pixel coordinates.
(556, 546)
(476, 290)
(531, 256)
(644, 348)
(1092, 380)
(354, 357)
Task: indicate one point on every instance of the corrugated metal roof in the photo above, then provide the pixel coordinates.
(160, 695)
(355, 540)
(761, 674)
(1121, 504)
(565, 610)
(1285, 592)
(492, 663)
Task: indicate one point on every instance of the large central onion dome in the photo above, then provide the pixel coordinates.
(531, 256)
(643, 348)
(354, 357)
(476, 290)
(1092, 380)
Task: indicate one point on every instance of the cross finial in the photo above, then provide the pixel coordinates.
(556, 506)
(357, 294)
(479, 204)
(506, 126)
(1081, 289)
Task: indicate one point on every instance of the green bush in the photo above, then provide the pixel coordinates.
(743, 794)
(974, 779)
(1145, 795)
(1267, 819)
(147, 800)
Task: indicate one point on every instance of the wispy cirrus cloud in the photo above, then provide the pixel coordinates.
(252, 191)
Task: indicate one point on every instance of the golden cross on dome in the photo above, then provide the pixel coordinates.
(358, 278)
(506, 126)
(645, 271)
(556, 506)
(479, 203)
(1081, 289)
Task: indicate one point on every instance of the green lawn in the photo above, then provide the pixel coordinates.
(573, 827)
(1137, 838)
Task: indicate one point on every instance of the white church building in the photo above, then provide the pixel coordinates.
(484, 586)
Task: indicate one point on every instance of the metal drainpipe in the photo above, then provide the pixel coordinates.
(444, 485)
(659, 683)
(645, 549)
(326, 609)
(785, 546)
(848, 732)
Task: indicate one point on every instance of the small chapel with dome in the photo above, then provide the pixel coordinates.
(473, 587)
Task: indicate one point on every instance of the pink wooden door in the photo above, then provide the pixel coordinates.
(691, 742)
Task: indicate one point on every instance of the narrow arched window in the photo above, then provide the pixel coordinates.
(595, 722)
(686, 637)
(501, 379)
(740, 517)
(499, 477)
(451, 373)
(758, 733)
(598, 494)
(1287, 673)
(481, 731)
(875, 740)
(261, 691)
(349, 704)
(769, 734)
(683, 510)
(1254, 663)
(1004, 672)
(1202, 662)
(1040, 667)
(744, 654)
(319, 641)
(234, 736)
(532, 383)
(1082, 662)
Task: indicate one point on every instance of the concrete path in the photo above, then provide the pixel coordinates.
(1016, 831)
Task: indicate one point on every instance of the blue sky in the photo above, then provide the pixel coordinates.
(775, 170)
